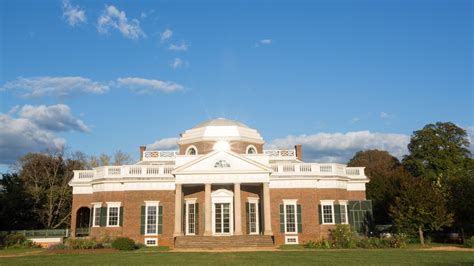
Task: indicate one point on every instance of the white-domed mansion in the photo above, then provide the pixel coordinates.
(221, 188)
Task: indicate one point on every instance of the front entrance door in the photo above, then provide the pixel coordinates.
(222, 218)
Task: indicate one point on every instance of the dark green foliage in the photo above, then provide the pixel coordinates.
(59, 246)
(469, 243)
(438, 152)
(17, 241)
(421, 206)
(323, 244)
(123, 243)
(83, 243)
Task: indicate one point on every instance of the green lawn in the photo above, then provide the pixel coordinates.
(306, 257)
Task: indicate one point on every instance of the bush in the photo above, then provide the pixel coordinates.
(18, 241)
(323, 244)
(123, 243)
(344, 236)
(398, 241)
(469, 243)
(59, 246)
(83, 243)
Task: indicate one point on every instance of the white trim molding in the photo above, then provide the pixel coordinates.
(113, 205)
(150, 240)
(291, 240)
(331, 204)
(155, 204)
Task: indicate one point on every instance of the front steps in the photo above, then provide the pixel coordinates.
(223, 242)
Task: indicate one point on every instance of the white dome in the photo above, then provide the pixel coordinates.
(220, 129)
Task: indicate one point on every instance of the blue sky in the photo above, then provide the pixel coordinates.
(336, 76)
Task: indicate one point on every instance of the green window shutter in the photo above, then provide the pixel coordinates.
(103, 216)
(121, 216)
(298, 217)
(247, 212)
(337, 213)
(142, 220)
(320, 214)
(160, 219)
(350, 212)
(91, 217)
(282, 219)
(196, 219)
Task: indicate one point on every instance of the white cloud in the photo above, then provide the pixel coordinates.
(470, 134)
(113, 18)
(164, 144)
(263, 42)
(340, 147)
(166, 35)
(33, 129)
(179, 47)
(179, 63)
(74, 15)
(54, 118)
(355, 120)
(35, 87)
(142, 85)
(384, 115)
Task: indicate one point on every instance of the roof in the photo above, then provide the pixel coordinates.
(220, 122)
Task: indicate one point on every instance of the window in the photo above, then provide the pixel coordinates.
(191, 150)
(251, 149)
(327, 211)
(343, 208)
(191, 216)
(291, 240)
(253, 215)
(151, 242)
(113, 214)
(151, 213)
(290, 216)
(96, 214)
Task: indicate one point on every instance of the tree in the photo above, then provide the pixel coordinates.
(419, 207)
(385, 173)
(438, 152)
(45, 178)
(15, 205)
(119, 158)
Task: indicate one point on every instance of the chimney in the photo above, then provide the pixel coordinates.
(299, 152)
(142, 149)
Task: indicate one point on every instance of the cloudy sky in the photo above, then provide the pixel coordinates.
(335, 76)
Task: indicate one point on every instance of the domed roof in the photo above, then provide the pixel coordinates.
(220, 129)
(220, 122)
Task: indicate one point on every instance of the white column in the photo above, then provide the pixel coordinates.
(177, 211)
(237, 210)
(266, 210)
(207, 210)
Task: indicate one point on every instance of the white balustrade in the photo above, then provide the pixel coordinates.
(305, 169)
(280, 154)
(159, 155)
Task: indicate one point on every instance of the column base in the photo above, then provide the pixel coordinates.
(207, 234)
(268, 233)
(177, 234)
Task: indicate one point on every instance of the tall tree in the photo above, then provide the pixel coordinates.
(438, 152)
(384, 172)
(45, 180)
(421, 206)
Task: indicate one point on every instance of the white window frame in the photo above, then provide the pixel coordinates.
(344, 203)
(249, 147)
(327, 203)
(189, 202)
(291, 243)
(294, 203)
(151, 239)
(152, 204)
(191, 147)
(113, 205)
(96, 205)
(257, 222)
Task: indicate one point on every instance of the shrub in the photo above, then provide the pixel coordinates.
(123, 243)
(323, 244)
(344, 236)
(59, 246)
(469, 243)
(18, 241)
(398, 241)
(83, 243)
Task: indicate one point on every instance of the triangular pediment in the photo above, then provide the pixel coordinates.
(222, 162)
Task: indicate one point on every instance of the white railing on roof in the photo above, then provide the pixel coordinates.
(301, 169)
(280, 154)
(160, 155)
(127, 171)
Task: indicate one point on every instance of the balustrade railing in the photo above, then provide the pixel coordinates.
(295, 169)
(275, 154)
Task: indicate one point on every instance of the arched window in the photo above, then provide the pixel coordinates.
(251, 149)
(191, 150)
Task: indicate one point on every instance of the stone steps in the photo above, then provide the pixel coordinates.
(206, 242)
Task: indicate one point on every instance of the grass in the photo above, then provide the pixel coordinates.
(301, 257)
